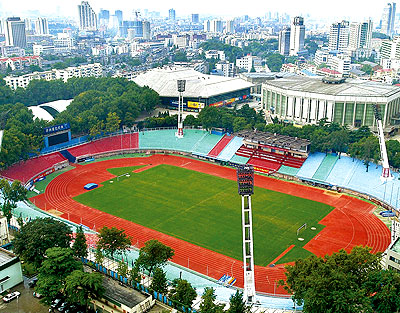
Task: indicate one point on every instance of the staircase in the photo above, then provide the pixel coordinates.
(66, 154)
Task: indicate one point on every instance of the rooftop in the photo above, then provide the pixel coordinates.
(164, 82)
(277, 140)
(351, 87)
(121, 294)
(6, 257)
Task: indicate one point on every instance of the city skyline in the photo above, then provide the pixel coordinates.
(355, 10)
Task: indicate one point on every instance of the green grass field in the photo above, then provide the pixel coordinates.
(206, 210)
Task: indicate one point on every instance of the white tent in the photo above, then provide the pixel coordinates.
(1, 137)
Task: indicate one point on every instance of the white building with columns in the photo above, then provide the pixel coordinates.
(305, 100)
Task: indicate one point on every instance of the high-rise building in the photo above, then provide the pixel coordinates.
(104, 17)
(284, 41)
(15, 32)
(297, 34)
(41, 26)
(230, 27)
(216, 26)
(195, 19)
(87, 17)
(360, 35)
(138, 28)
(206, 26)
(388, 16)
(146, 30)
(118, 14)
(339, 36)
(28, 25)
(171, 15)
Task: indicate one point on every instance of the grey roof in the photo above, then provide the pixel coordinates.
(351, 87)
(357, 72)
(121, 294)
(164, 82)
(268, 74)
(276, 140)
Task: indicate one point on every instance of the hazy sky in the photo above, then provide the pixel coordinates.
(339, 9)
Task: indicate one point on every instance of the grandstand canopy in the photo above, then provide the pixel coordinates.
(46, 111)
(163, 81)
(275, 140)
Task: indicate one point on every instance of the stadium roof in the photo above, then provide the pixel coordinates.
(41, 113)
(163, 81)
(351, 87)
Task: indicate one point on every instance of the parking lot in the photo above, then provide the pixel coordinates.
(26, 303)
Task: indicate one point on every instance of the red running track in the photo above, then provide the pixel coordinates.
(351, 223)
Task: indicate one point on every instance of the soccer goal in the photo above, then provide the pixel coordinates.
(304, 226)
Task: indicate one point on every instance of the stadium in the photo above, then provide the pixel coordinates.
(183, 192)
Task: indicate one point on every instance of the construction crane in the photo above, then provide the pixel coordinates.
(386, 175)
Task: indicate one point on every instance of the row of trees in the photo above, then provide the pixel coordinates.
(325, 137)
(45, 244)
(344, 282)
(100, 105)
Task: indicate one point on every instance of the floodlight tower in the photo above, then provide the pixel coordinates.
(386, 175)
(245, 179)
(181, 89)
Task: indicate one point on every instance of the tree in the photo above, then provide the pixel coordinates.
(35, 237)
(81, 287)
(208, 304)
(369, 150)
(180, 56)
(339, 141)
(11, 193)
(275, 61)
(112, 240)
(79, 246)
(182, 292)
(333, 283)
(134, 274)
(59, 263)
(159, 282)
(99, 257)
(122, 269)
(96, 129)
(367, 69)
(237, 304)
(112, 122)
(384, 288)
(154, 254)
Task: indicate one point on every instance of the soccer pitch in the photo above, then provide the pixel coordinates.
(206, 210)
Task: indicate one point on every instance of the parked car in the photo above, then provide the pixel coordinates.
(32, 282)
(55, 303)
(62, 307)
(37, 295)
(11, 296)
